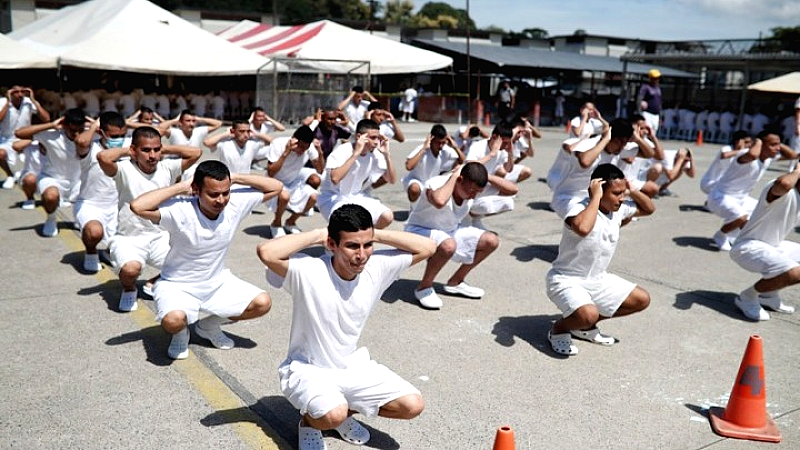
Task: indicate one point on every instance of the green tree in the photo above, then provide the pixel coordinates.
(398, 11)
(432, 10)
(782, 39)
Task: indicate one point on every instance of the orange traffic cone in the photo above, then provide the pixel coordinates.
(746, 416)
(504, 440)
(699, 138)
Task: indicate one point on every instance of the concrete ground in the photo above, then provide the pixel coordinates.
(77, 373)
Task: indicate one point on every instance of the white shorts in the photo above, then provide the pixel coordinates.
(67, 190)
(652, 120)
(563, 203)
(466, 240)
(569, 293)
(33, 162)
(515, 172)
(11, 154)
(106, 215)
(407, 182)
(364, 386)
(491, 202)
(151, 249)
(223, 296)
(730, 207)
(299, 194)
(328, 204)
(760, 257)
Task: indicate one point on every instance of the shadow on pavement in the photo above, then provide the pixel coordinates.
(703, 243)
(154, 340)
(721, 302)
(540, 206)
(403, 290)
(699, 208)
(547, 253)
(401, 215)
(281, 418)
(698, 409)
(531, 329)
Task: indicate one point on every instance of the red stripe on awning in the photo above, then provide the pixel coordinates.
(252, 32)
(295, 41)
(277, 37)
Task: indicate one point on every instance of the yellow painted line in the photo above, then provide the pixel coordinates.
(250, 427)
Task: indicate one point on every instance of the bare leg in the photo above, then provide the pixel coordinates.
(436, 262)
(92, 235)
(406, 407)
(783, 280)
(486, 245)
(258, 307)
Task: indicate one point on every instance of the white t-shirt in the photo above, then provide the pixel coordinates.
(355, 113)
(566, 176)
(61, 160)
(361, 170)
(96, 187)
(290, 170)
(128, 105)
(238, 159)
(329, 313)
(772, 222)
(424, 214)
(198, 245)
(718, 167)
(480, 149)
(739, 179)
(593, 126)
(176, 137)
(16, 118)
(589, 257)
(131, 183)
(266, 127)
(199, 103)
(430, 166)
(387, 130)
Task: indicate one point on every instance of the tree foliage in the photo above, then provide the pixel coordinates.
(433, 10)
(398, 12)
(782, 39)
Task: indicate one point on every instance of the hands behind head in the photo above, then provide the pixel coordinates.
(596, 188)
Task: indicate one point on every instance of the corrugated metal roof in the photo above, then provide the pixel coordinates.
(504, 56)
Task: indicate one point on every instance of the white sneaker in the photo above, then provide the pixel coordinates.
(179, 346)
(9, 183)
(91, 263)
(721, 241)
(353, 432)
(276, 232)
(127, 301)
(774, 303)
(293, 229)
(29, 204)
(465, 290)
(50, 228)
(428, 298)
(751, 309)
(209, 328)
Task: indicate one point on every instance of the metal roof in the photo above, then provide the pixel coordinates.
(521, 57)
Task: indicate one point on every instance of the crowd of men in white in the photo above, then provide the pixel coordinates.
(135, 184)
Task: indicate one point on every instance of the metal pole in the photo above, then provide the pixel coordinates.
(469, 75)
(744, 94)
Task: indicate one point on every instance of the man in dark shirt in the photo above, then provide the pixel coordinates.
(650, 99)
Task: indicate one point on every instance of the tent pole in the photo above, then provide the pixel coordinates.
(744, 94)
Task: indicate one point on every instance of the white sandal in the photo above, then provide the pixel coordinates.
(310, 438)
(562, 343)
(353, 432)
(594, 336)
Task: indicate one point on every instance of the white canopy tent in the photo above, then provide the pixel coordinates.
(135, 36)
(17, 55)
(326, 40)
(788, 83)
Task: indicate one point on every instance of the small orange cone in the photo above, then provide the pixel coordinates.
(504, 440)
(699, 138)
(746, 416)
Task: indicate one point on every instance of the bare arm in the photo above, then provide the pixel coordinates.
(83, 141)
(269, 186)
(278, 126)
(752, 153)
(390, 175)
(420, 247)
(398, 133)
(29, 131)
(412, 161)
(644, 204)
(275, 253)
(587, 158)
(212, 124)
(505, 187)
(338, 173)
(146, 205)
(212, 141)
(273, 167)
(787, 152)
(107, 159)
(439, 197)
(784, 184)
(583, 222)
(343, 103)
(188, 154)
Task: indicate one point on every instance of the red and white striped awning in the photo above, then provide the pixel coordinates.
(326, 40)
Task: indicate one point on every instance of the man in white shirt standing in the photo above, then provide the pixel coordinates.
(139, 241)
(408, 104)
(59, 180)
(194, 278)
(578, 284)
(16, 111)
(350, 166)
(287, 158)
(762, 247)
(325, 375)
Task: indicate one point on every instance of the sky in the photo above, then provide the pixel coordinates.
(642, 19)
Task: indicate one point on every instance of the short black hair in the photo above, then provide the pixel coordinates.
(636, 118)
(474, 132)
(144, 133)
(185, 112)
(210, 168)
(621, 128)
(145, 110)
(304, 134)
(364, 125)
(348, 218)
(374, 105)
(475, 172)
(770, 129)
(239, 121)
(111, 118)
(438, 131)
(358, 89)
(74, 116)
(608, 173)
(739, 135)
(503, 129)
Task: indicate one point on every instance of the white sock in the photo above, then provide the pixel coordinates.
(211, 322)
(749, 294)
